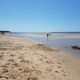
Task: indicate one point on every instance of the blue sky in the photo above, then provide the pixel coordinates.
(40, 15)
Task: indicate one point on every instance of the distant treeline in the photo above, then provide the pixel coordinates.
(4, 32)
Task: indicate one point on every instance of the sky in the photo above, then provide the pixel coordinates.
(40, 15)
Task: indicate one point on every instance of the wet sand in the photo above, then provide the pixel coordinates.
(22, 59)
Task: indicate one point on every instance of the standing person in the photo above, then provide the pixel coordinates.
(47, 35)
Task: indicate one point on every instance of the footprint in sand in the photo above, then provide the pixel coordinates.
(11, 60)
(63, 71)
(21, 57)
(49, 62)
(20, 69)
(4, 71)
(1, 57)
(48, 69)
(64, 74)
(59, 63)
(13, 76)
(16, 64)
(5, 65)
(59, 66)
(3, 77)
(41, 59)
(33, 78)
(57, 71)
(1, 53)
(12, 55)
(25, 61)
(63, 61)
(26, 70)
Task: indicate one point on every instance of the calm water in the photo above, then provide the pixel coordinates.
(63, 41)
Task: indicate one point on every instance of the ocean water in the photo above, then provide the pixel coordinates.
(60, 40)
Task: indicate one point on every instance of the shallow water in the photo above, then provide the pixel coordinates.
(60, 41)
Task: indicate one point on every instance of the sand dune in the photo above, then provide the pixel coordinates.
(22, 59)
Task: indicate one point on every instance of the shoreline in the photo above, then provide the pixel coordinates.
(22, 59)
(61, 46)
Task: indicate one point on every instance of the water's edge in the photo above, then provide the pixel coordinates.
(58, 43)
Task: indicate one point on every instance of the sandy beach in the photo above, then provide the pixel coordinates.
(22, 59)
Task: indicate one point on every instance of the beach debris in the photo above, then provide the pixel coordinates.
(75, 47)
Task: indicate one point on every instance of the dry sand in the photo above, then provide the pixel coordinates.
(22, 59)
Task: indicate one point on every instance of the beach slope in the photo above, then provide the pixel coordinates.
(22, 59)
